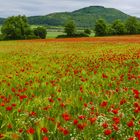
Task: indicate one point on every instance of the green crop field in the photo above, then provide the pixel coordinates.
(70, 89)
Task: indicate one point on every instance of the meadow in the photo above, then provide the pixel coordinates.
(70, 89)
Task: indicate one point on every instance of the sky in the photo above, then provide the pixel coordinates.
(44, 7)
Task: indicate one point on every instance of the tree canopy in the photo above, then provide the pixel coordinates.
(70, 28)
(16, 27)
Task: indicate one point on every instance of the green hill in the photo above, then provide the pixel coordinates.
(85, 17)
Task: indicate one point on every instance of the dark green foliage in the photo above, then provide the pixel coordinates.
(87, 31)
(118, 28)
(85, 17)
(16, 27)
(1, 37)
(76, 35)
(110, 30)
(40, 32)
(70, 28)
(101, 28)
(132, 25)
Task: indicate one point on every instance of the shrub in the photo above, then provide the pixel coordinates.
(101, 28)
(70, 28)
(16, 27)
(40, 32)
(87, 31)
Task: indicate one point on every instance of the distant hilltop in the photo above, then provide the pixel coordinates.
(85, 17)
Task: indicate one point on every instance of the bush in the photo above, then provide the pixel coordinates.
(80, 34)
(40, 32)
(132, 25)
(1, 37)
(16, 27)
(101, 28)
(70, 28)
(118, 28)
(87, 31)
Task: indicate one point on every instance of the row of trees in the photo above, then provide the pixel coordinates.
(17, 27)
(71, 31)
(129, 27)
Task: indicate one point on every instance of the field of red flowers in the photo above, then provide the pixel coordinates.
(70, 89)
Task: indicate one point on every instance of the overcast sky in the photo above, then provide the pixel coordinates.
(44, 7)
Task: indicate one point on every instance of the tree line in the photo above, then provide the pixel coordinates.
(17, 27)
(130, 27)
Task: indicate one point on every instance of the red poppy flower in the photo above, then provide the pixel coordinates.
(1, 136)
(137, 134)
(65, 132)
(75, 122)
(116, 120)
(105, 125)
(92, 120)
(104, 104)
(44, 130)
(81, 117)
(45, 138)
(30, 131)
(130, 124)
(66, 116)
(107, 132)
(9, 108)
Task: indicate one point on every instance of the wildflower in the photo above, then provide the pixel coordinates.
(116, 120)
(115, 111)
(107, 132)
(1, 135)
(45, 138)
(115, 126)
(44, 130)
(92, 120)
(75, 122)
(9, 108)
(130, 124)
(32, 113)
(30, 131)
(105, 125)
(137, 134)
(65, 132)
(104, 76)
(66, 116)
(20, 130)
(104, 104)
(82, 117)
(81, 126)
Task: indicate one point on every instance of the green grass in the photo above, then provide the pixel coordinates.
(70, 90)
(53, 32)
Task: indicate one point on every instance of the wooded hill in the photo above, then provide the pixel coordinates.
(85, 17)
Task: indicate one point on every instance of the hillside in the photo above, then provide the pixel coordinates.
(1, 20)
(85, 17)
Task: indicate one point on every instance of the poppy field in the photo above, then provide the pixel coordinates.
(70, 89)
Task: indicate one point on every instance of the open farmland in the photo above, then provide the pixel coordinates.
(70, 89)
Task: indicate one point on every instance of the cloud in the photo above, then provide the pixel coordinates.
(43, 7)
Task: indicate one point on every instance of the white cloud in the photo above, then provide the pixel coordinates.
(43, 7)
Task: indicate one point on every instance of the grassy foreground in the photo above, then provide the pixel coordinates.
(68, 90)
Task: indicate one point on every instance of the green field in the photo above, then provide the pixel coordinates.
(53, 32)
(74, 89)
